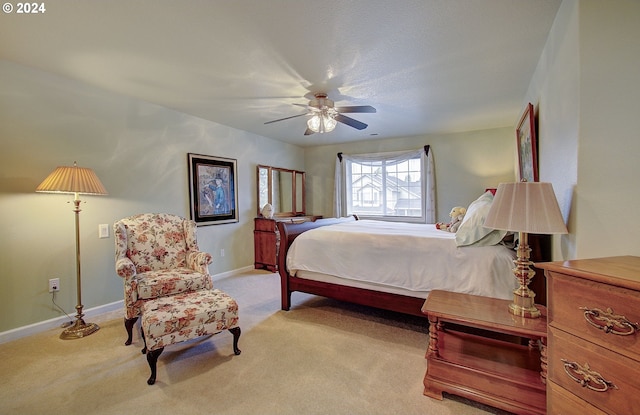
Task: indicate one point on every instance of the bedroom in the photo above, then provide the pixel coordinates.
(583, 88)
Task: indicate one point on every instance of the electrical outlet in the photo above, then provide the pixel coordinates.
(54, 284)
(222, 252)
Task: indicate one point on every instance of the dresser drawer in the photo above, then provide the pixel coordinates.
(561, 402)
(572, 360)
(584, 308)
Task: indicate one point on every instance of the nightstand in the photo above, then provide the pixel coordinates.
(476, 351)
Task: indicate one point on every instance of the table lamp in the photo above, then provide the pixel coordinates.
(525, 207)
(76, 180)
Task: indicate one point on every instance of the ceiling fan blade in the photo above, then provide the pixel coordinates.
(356, 108)
(287, 118)
(350, 122)
(309, 131)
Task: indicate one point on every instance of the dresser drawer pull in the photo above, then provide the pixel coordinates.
(586, 377)
(609, 322)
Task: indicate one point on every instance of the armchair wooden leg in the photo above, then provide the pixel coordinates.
(152, 359)
(236, 335)
(128, 324)
(144, 341)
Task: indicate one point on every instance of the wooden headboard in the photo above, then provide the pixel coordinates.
(540, 252)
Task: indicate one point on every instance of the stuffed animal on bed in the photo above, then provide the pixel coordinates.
(456, 214)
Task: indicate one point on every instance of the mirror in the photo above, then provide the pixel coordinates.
(282, 198)
(283, 189)
(299, 193)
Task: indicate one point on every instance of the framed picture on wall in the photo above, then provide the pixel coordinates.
(527, 146)
(213, 191)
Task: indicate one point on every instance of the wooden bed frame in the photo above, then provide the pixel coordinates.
(541, 252)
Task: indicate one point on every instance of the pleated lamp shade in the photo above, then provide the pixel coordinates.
(529, 207)
(74, 179)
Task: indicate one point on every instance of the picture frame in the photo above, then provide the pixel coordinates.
(527, 146)
(213, 189)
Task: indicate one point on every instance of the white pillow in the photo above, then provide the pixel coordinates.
(472, 231)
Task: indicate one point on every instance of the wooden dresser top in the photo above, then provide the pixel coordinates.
(623, 271)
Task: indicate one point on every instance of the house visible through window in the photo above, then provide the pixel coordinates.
(386, 188)
(390, 186)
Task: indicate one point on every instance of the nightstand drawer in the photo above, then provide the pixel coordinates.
(599, 376)
(597, 312)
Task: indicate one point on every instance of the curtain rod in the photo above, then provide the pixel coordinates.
(426, 151)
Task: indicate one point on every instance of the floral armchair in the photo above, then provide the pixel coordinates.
(157, 255)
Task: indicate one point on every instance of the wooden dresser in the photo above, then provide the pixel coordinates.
(593, 336)
(266, 240)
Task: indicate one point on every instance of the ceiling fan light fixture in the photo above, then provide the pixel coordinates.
(322, 122)
(325, 117)
(329, 124)
(314, 123)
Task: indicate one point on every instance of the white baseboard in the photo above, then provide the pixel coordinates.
(232, 272)
(89, 313)
(39, 327)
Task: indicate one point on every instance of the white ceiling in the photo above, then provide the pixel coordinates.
(427, 66)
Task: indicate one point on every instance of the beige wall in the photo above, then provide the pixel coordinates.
(555, 94)
(465, 165)
(586, 89)
(138, 150)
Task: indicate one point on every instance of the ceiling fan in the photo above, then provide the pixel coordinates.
(324, 115)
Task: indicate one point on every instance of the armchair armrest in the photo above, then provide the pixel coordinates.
(199, 261)
(125, 268)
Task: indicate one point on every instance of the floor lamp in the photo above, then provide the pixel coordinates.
(76, 180)
(525, 207)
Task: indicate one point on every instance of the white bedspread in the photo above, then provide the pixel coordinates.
(413, 257)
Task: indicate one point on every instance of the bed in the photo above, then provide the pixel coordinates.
(393, 265)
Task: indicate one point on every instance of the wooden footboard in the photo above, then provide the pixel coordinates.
(400, 303)
(288, 283)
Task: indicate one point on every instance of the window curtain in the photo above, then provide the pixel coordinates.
(426, 157)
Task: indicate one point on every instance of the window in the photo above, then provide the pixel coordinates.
(389, 186)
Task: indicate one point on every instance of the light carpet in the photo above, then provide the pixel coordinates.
(322, 357)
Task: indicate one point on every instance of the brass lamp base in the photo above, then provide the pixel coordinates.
(523, 297)
(79, 330)
(523, 304)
